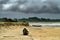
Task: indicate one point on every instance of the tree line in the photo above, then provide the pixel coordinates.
(30, 19)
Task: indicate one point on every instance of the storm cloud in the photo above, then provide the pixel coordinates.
(33, 6)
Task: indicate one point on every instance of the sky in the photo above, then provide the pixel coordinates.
(30, 8)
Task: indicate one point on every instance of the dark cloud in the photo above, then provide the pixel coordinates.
(18, 8)
(3, 1)
(31, 6)
(19, 15)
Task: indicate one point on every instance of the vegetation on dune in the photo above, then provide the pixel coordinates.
(14, 23)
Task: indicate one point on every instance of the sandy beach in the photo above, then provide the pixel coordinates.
(35, 33)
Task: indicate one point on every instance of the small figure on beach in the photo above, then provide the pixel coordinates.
(25, 31)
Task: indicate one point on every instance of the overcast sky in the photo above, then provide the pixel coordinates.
(30, 8)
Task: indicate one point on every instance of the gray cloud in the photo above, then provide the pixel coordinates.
(3, 1)
(34, 6)
(0, 7)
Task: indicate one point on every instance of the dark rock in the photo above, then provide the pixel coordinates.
(25, 31)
